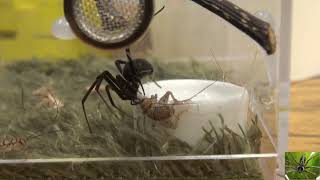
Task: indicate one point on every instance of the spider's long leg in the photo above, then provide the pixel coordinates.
(97, 89)
(112, 81)
(128, 53)
(84, 100)
(306, 176)
(291, 171)
(290, 166)
(141, 87)
(287, 162)
(308, 167)
(114, 84)
(107, 88)
(113, 104)
(310, 172)
(312, 158)
(118, 65)
(293, 159)
(155, 82)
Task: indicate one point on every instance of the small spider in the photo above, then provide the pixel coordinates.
(302, 166)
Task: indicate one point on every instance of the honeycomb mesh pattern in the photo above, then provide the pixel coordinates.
(109, 21)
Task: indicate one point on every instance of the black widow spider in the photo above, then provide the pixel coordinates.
(125, 85)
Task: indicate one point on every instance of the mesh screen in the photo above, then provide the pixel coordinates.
(109, 21)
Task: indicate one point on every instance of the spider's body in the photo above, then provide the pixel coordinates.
(302, 163)
(125, 85)
(302, 167)
(143, 68)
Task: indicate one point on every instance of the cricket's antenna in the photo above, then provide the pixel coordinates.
(205, 88)
(217, 64)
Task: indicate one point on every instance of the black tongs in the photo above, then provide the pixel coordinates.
(257, 29)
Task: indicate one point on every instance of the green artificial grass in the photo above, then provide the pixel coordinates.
(62, 132)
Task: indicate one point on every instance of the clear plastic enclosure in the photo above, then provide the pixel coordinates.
(223, 123)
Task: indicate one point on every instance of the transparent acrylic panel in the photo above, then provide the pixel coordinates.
(224, 122)
(249, 168)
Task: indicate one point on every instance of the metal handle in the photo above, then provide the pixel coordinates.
(257, 29)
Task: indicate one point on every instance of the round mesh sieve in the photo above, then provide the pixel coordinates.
(108, 23)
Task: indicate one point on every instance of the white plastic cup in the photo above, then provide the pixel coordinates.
(223, 98)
